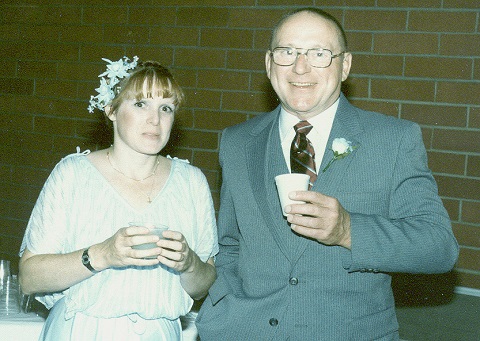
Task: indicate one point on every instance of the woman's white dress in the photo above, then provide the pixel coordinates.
(76, 208)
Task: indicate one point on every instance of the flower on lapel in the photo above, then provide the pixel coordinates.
(340, 148)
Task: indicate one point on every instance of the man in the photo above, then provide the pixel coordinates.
(321, 273)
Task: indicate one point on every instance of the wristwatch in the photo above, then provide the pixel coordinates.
(86, 261)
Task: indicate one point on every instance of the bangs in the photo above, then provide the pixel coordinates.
(148, 80)
(149, 85)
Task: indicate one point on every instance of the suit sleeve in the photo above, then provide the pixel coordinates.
(416, 236)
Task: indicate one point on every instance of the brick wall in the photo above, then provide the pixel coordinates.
(417, 60)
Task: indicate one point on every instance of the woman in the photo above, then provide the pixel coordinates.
(77, 250)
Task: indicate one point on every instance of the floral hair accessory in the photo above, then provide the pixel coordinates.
(115, 72)
(341, 148)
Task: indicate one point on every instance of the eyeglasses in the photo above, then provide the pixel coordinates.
(286, 56)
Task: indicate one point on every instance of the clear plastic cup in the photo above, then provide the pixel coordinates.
(156, 229)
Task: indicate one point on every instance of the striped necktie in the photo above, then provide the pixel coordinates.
(302, 154)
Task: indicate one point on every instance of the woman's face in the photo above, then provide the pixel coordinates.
(144, 125)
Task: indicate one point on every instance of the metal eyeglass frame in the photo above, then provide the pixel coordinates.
(297, 52)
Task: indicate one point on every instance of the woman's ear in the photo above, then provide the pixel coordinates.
(109, 113)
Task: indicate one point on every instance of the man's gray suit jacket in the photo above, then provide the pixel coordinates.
(275, 285)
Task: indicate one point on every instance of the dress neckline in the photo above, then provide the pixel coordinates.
(107, 183)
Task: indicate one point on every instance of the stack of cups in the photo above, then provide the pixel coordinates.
(9, 298)
(4, 273)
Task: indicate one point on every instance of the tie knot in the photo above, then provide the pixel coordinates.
(303, 127)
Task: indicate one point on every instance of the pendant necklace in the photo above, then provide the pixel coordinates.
(137, 181)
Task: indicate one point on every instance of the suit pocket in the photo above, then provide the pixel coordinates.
(241, 318)
(364, 202)
(380, 325)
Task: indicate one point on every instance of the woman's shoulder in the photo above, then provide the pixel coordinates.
(185, 168)
(182, 165)
(69, 169)
(77, 154)
(72, 160)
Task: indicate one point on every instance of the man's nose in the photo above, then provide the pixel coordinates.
(301, 63)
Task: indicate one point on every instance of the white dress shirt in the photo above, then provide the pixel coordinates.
(318, 136)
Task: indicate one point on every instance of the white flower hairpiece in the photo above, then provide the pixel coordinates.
(115, 72)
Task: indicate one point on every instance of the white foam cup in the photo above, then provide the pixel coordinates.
(287, 183)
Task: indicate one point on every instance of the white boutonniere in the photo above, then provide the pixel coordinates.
(340, 148)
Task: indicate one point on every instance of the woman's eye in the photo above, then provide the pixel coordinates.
(167, 108)
(140, 104)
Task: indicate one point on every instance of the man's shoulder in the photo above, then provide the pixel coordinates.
(253, 125)
(374, 120)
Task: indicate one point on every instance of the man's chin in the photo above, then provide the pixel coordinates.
(302, 111)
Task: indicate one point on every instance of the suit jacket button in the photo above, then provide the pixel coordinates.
(273, 322)
(293, 281)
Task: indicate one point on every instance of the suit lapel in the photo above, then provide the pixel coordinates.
(347, 125)
(265, 161)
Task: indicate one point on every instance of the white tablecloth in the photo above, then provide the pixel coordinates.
(27, 327)
(21, 327)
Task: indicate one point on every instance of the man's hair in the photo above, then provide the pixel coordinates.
(319, 12)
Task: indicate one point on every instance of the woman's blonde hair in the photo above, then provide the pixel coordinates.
(147, 80)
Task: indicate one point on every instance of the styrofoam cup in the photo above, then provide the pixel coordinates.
(287, 183)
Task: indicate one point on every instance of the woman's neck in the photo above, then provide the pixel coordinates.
(138, 168)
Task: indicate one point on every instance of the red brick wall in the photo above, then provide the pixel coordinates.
(417, 60)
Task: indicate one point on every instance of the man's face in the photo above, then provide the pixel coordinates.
(306, 91)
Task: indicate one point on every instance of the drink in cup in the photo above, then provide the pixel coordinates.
(156, 229)
(287, 183)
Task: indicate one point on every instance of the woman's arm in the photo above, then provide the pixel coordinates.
(51, 272)
(57, 272)
(196, 276)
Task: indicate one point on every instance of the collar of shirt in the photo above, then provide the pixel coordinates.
(318, 136)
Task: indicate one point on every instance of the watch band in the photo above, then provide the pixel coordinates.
(86, 261)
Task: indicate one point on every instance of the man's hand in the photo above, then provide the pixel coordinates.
(321, 218)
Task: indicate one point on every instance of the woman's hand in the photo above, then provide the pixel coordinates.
(196, 276)
(35, 271)
(175, 252)
(117, 251)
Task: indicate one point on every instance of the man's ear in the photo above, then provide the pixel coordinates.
(347, 63)
(268, 63)
(109, 113)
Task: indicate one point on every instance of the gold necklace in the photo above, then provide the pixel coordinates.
(138, 180)
(125, 175)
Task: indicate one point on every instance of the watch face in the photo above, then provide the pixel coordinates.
(85, 258)
(86, 261)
